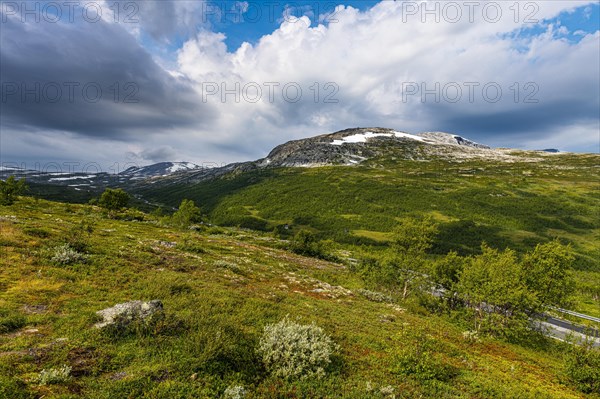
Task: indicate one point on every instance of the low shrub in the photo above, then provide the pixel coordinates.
(231, 266)
(10, 322)
(65, 255)
(306, 243)
(418, 355)
(191, 246)
(54, 376)
(583, 367)
(129, 215)
(235, 392)
(375, 296)
(292, 350)
(37, 232)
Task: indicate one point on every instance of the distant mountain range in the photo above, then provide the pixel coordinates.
(346, 147)
(157, 169)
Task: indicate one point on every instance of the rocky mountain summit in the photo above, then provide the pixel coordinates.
(352, 147)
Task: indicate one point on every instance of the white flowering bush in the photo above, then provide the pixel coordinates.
(292, 350)
(388, 392)
(65, 255)
(235, 392)
(54, 376)
(375, 296)
(471, 336)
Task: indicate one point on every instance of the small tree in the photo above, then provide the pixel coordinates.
(305, 243)
(445, 273)
(414, 236)
(403, 266)
(547, 272)
(114, 199)
(11, 188)
(492, 286)
(187, 214)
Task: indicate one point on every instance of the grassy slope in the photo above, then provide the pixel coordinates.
(219, 298)
(513, 205)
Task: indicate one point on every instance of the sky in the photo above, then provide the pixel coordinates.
(119, 83)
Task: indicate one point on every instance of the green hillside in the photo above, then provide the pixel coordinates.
(222, 286)
(506, 204)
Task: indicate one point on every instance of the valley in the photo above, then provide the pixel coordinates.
(308, 232)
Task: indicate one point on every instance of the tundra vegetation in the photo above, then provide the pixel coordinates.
(401, 308)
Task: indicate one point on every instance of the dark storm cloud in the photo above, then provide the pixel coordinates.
(92, 79)
(518, 121)
(158, 17)
(163, 20)
(154, 155)
(529, 122)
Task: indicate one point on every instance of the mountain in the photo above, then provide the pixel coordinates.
(157, 169)
(353, 185)
(356, 148)
(346, 147)
(352, 147)
(79, 181)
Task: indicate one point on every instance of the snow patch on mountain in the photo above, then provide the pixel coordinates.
(157, 169)
(363, 137)
(71, 178)
(178, 166)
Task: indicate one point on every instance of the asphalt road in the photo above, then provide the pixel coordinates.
(561, 329)
(565, 330)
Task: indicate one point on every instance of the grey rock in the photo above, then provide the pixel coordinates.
(124, 313)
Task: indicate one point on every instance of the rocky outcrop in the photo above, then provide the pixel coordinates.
(123, 314)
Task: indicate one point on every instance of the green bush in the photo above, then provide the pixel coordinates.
(78, 237)
(130, 215)
(114, 199)
(493, 286)
(419, 356)
(292, 350)
(187, 214)
(547, 272)
(583, 368)
(10, 189)
(306, 243)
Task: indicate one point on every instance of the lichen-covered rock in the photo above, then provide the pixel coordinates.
(123, 314)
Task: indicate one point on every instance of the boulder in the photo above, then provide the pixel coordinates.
(122, 314)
